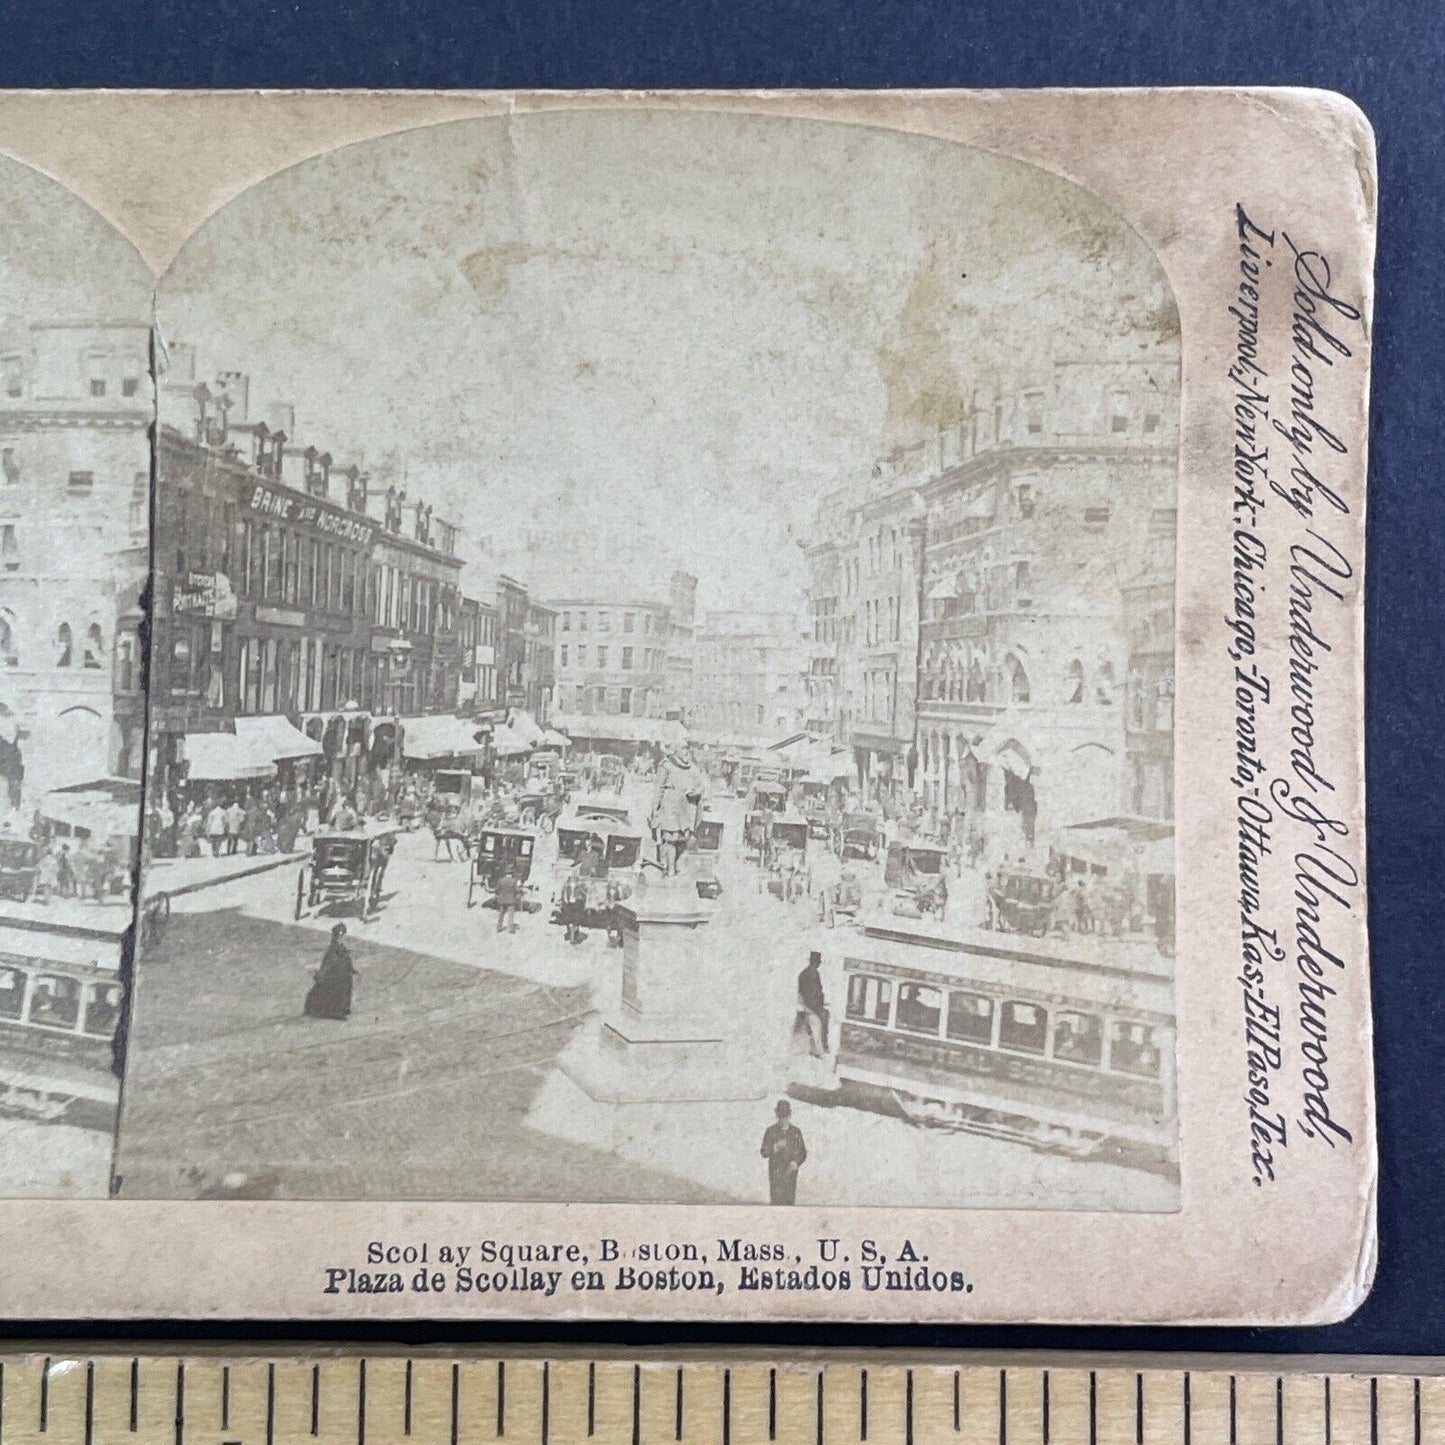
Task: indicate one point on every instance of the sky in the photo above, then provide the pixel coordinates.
(611, 345)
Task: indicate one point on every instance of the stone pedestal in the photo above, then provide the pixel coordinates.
(669, 1036)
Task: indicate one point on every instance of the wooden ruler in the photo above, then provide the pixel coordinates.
(346, 1397)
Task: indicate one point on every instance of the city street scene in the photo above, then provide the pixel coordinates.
(76, 405)
(661, 680)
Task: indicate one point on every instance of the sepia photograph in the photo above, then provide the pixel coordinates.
(661, 679)
(76, 407)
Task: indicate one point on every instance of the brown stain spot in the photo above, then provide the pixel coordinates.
(488, 271)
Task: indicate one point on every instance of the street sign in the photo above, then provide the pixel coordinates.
(231, 1396)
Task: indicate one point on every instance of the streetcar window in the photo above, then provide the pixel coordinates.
(1134, 1049)
(869, 998)
(1078, 1037)
(56, 1001)
(102, 1009)
(1024, 1026)
(12, 992)
(970, 1017)
(919, 1008)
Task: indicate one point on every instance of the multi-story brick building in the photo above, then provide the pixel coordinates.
(1062, 493)
(285, 588)
(748, 677)
(75, 411)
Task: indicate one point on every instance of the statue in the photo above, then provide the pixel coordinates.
(676, 806)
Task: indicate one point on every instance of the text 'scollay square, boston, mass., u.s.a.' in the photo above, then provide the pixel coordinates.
(712, 705)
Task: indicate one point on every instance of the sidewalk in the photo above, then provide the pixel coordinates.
(176, 876)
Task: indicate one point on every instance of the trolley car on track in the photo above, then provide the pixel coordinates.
(1064, 1045)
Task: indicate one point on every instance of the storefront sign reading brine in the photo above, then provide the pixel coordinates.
(309, 512)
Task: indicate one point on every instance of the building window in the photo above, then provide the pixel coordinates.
(1074, 682)
(9, 653)
(9, 548)
(97, 386)
(624, 700)
(1034, 413)
(604, 622)
(1024, 497)
(1118, 412)
(1151, 422)
(130, 386)
(63, 645)
(627, 659)
(601, 657)
(94, 655)
(1018, 679)
(562, 656)
(566, 622)
(581, 622)
(13, 368)
(10, 466)
(1096, 518)
(80, 484)
(629, 620)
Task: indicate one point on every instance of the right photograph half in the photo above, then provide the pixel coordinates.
(662, 679)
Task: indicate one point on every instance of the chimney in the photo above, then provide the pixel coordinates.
(236, 387)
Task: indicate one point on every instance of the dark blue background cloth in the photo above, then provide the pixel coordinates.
(1386, 57)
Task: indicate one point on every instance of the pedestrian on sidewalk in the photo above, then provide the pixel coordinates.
(785, 1151)
(329, 996)
(813, 1006)
(216, 828)
(509, 898)
(235, 816)
(253, 824)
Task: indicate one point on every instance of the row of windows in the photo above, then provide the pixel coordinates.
(57, 1001)
(578, 655)
(601, 620)
(71, 647)
(604, 700)
(1071, 1035)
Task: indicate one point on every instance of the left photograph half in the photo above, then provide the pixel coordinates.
(76, 407)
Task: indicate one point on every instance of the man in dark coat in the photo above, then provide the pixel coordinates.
(330, 995)
(785, 1152)
(813, 1006)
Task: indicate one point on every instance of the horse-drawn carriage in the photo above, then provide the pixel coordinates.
(861, 836)
(914, 872)
(787, 858)
(1022, 901)
(540, 809)
(19, 865)
(346, 868)
(496, 851)
(706, 846)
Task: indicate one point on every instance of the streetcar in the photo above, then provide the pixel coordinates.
(346, 868)
(860, 836)
(494, 851)
(1023, 901)
(61, 1000)
(1063, 1045)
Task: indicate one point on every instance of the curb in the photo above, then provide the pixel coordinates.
(279, 860)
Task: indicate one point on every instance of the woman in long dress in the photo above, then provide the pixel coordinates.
(329, 996)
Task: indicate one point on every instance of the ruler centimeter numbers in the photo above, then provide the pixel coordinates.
(233, 1397)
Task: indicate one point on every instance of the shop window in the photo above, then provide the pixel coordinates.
(1023, 1027)
(869, 998)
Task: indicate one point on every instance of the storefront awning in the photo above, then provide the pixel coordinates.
(525, 726)
(553, 739)
(275, 737)
(225, 758)
(507, 743)
(424, 739)
(95, 813)
(621, 727)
